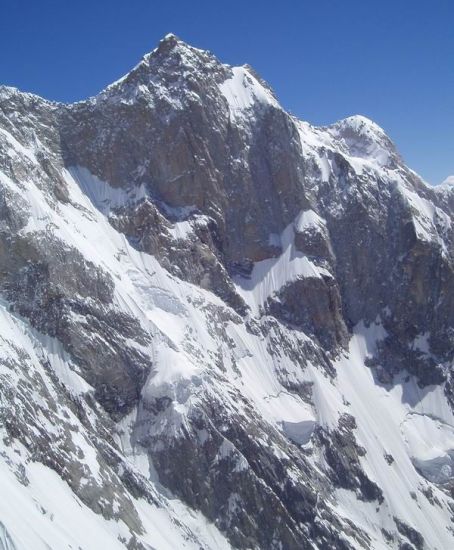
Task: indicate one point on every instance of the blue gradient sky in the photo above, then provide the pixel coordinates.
(392, 61)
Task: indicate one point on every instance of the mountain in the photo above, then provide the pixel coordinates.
(448, 181)
(221, 327)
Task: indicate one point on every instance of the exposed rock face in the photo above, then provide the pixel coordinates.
(313, 304)
(178, 137)
(220, 326)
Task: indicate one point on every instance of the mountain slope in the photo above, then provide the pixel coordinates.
(222, 327)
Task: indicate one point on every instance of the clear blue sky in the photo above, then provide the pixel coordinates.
(392, 61)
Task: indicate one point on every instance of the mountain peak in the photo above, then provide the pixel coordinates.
(360, 125)
(170, 36)
(170, 62)
(170, 41)
(362, 137)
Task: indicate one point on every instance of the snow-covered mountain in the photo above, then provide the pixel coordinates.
(221, 327)
(448, 181)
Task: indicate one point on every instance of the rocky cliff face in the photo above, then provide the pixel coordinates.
(221, 327)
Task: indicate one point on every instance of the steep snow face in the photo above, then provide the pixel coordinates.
(242, 91)
(5, 540)
(101, 194)
(56, 518)
(448, 181)
(430, 221)
(220, 327)
(360, 137)
(270, 276)
(395, 426)
(360, 141)
(57, 514)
